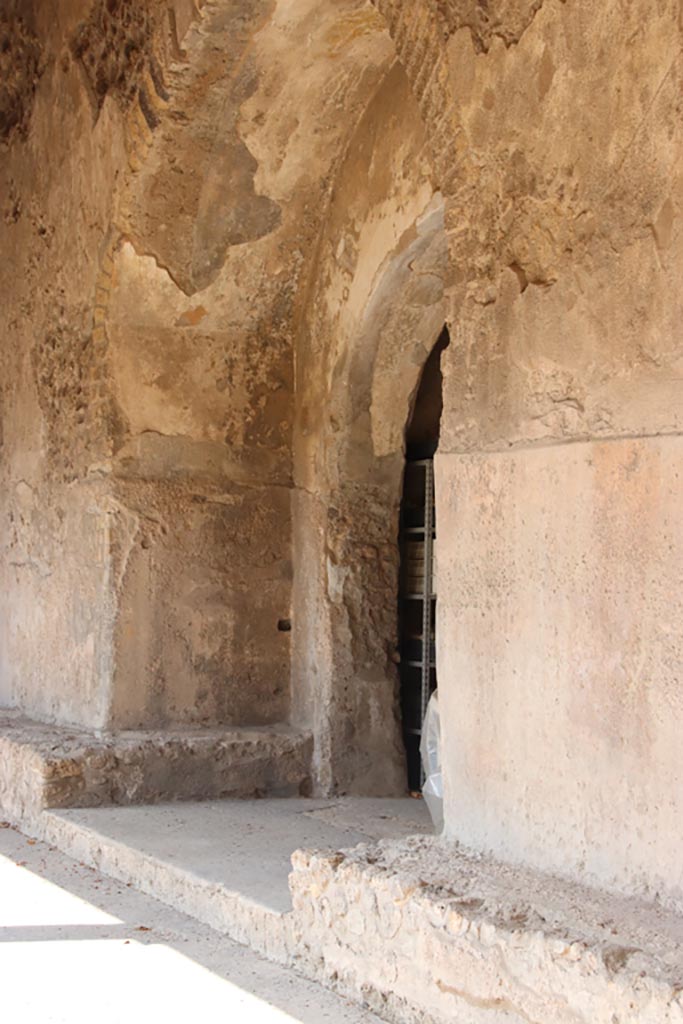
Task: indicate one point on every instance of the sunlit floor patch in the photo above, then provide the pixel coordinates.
(28, 900)
(77, 947)
(114, 980)
(59, 962)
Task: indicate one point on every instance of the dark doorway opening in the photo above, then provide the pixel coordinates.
(417, 597)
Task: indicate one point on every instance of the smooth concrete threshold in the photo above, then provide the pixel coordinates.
(226, 863)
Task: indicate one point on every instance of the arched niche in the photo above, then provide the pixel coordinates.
(346, 523)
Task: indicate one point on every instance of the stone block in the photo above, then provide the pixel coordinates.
(44, 766)
(421, 931)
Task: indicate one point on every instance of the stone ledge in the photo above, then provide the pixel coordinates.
(423, 932)
(44, 766)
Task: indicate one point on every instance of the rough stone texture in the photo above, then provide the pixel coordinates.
(506, 20)
(148, 360)
(46, 766)
(53, 403)
(360, 357)
(413, 927)
(21, 65)
(471, 940)
(115, 46)
(558, 644)
(567, 310)
(228, 253)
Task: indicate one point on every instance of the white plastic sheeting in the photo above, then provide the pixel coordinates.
(430, 751)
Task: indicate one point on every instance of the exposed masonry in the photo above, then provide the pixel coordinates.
(469, 939)
(22, 62)
(115, 47)
(42, 766)
(507, 20)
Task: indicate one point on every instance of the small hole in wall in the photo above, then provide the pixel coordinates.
(284, 625)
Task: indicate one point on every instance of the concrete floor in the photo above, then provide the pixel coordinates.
(243, 846)
(76, 946)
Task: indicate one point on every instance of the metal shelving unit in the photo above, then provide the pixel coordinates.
(417, 600)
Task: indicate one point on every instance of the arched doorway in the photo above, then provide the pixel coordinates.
(417, 535)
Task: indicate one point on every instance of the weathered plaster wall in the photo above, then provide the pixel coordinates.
(202, 473)
(55, 594)
(559, 478)
(77, 79)
(147, 430)
(214, 231)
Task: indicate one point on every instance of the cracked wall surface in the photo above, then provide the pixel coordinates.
(162, 378)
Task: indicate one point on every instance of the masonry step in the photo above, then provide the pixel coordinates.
(227, 862)
(357, 894)
(423, 931)
(44, 766)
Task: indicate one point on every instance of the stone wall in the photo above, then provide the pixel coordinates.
(148, 360)
(419, 930)
(375, 310)
(559, 474)
(57, 172)
(230, 252)
(559, 657)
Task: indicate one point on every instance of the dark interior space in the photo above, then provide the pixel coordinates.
(417, 599)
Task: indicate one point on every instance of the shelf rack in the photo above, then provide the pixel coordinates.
(417, 606)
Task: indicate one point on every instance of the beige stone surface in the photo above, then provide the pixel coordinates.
(422, 931)
(411, 926)
(560, 573)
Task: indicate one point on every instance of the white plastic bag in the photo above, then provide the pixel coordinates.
(430, 752)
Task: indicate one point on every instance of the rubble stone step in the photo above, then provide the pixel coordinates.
(43, 766)
(423, 931)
